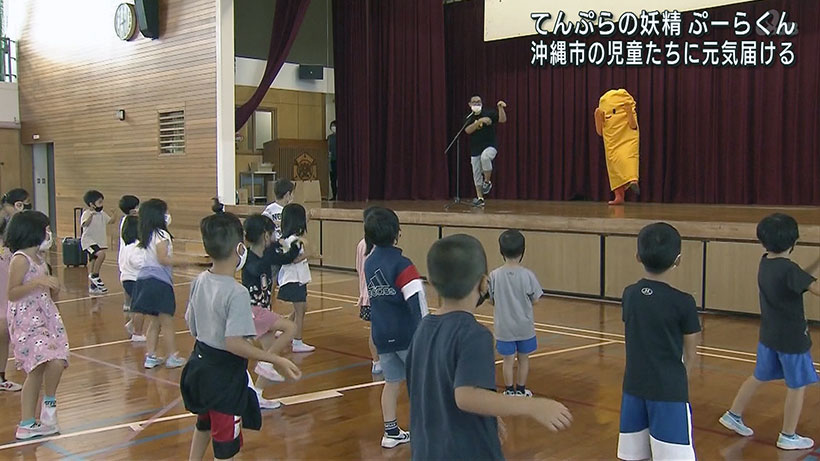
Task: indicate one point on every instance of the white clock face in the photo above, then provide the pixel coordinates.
(125, 21)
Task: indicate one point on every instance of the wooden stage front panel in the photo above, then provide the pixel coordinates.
(587, 249)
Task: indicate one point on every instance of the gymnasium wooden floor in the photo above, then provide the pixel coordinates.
(111, 408)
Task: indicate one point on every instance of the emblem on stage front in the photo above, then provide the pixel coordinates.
(305, 168)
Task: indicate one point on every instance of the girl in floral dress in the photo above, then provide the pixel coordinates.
(35, 326)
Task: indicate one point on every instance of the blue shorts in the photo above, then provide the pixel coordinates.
(507, 348)
(796, 369)
(394, 366)
(655, 430)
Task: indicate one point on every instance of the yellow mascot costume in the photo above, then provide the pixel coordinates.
(616, 120)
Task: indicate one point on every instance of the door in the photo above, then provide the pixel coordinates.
(43, 162)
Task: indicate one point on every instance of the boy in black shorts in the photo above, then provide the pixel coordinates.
(215, 383)
(454, 406)
(661, 327)
(94, 239)
(784, 348)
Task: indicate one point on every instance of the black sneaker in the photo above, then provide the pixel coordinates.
(478, 202)
(487, 187)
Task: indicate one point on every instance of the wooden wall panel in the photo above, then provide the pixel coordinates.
(731, 276)
(339, 240)
(415, 242)
(299, 114)
(13, 164)
(69, 94)
(622, 269)
(568, 263)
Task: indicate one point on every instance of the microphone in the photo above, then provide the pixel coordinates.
(468, 116)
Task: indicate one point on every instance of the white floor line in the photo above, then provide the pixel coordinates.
(569, 349)
(295, 399)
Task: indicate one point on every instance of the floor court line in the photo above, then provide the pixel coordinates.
(129, 425)
(107, 295)
(125, 369)
(156, 416)
(616, 335)
(562, 351)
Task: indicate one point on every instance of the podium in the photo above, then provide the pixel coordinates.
(300, 161)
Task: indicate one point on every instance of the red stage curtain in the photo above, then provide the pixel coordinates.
(390, 99)
(708, 135)
(287, 17)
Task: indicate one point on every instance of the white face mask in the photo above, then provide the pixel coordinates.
(167, 219)
(243, 256)
(333, 129)
(47, 242)
(476, 109)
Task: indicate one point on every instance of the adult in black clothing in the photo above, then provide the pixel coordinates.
(483, 146)
(331, 152)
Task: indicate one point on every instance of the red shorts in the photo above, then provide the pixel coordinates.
(226, 432)
(263, 319)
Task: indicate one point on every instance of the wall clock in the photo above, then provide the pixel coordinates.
(125, 21)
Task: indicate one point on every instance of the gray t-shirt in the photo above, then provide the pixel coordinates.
(513, 289)
(219, 307)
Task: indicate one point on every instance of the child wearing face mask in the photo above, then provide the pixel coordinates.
(153, 293)
(215, 382)
(13, 202)
(35, 325)
(94, 239)
(257, 276)
(451, 366)
(514, 290)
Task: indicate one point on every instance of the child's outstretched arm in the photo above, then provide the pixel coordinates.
(549, 413)
(240, 346)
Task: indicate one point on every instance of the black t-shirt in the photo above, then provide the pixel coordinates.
(450, 351)
(783, 325)
(484, 137)
(257, 274)
(657, 317)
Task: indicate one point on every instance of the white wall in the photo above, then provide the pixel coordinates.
(9, 105)
(249, 73)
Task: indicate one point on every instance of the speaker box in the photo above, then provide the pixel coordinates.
(148, 17)
(307, 72)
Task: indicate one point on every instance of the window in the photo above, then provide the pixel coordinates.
(172, 132)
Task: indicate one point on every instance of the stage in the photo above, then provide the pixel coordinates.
(584, 249)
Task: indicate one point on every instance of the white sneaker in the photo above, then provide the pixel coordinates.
(300, 347)
(129, 327)
(266, 404)
(48, 416)
(152, 361)
(794, 442)
(138, 338)
(94, 290)
(8, 386)
(35, 430)
(266, 370)
(376, 369)
(526, 393)
(392, 441)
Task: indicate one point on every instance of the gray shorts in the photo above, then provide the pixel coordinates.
(482, 163)
(394, 365)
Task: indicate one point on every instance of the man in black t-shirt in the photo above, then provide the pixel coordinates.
(483, 146)
(454, 406)
(784, 348)
(662, 331)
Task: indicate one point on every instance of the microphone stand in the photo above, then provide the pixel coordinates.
(457, 199)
